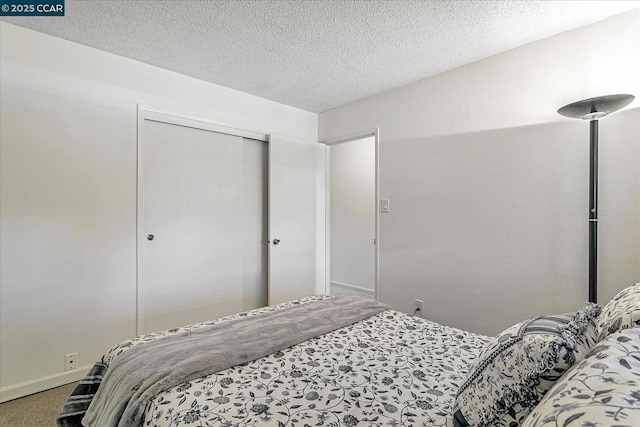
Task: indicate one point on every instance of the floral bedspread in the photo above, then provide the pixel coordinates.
(391, 369)
(602, 390)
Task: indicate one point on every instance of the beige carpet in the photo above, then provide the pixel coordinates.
(37, 410)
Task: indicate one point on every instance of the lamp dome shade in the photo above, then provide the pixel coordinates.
(595, 108)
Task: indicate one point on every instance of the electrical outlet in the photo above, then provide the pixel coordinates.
(70, 361)
(417, 308)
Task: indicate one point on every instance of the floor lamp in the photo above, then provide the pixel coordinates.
(593, 109)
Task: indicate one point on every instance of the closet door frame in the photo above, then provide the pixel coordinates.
(367, 133)
(145, 113)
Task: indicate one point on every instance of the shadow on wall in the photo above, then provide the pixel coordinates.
(496, 221)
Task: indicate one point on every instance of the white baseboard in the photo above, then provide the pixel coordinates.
(26, 388)
(353, 288)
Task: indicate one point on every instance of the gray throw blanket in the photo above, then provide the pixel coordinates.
(140, 373)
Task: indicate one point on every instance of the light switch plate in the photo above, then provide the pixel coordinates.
(384, 205)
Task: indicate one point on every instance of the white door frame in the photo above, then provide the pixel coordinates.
(179, 119)
(374, 132)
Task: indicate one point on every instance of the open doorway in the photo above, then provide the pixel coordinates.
(352, 216)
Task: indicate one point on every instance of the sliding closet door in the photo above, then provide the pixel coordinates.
(296, 208)
(190, 243)
(255, 180)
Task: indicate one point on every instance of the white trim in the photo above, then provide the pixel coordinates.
(26, 388)
(354, 288)
(377, 211)
(291, 139)
(373, 132)
(180, 119)
(327, 222)
(351, 136)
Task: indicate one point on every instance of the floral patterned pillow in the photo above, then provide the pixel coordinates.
(622, 312)
(602, 390)
(517, 367)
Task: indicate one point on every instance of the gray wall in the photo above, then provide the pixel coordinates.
(68, 199)
(489, 185)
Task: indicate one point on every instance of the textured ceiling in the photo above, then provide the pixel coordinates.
(315, 55)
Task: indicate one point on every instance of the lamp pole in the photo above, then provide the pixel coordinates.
(593, 211)
(593, 109)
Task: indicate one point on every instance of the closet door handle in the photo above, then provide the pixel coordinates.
(276, 241)
(150, 237)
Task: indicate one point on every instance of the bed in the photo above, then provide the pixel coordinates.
(387, 369)
(345, 361)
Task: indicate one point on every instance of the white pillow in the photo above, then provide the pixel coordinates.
(517, 367)
(602, 390)
(622, 312)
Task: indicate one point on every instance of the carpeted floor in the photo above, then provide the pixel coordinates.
(37, 410)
